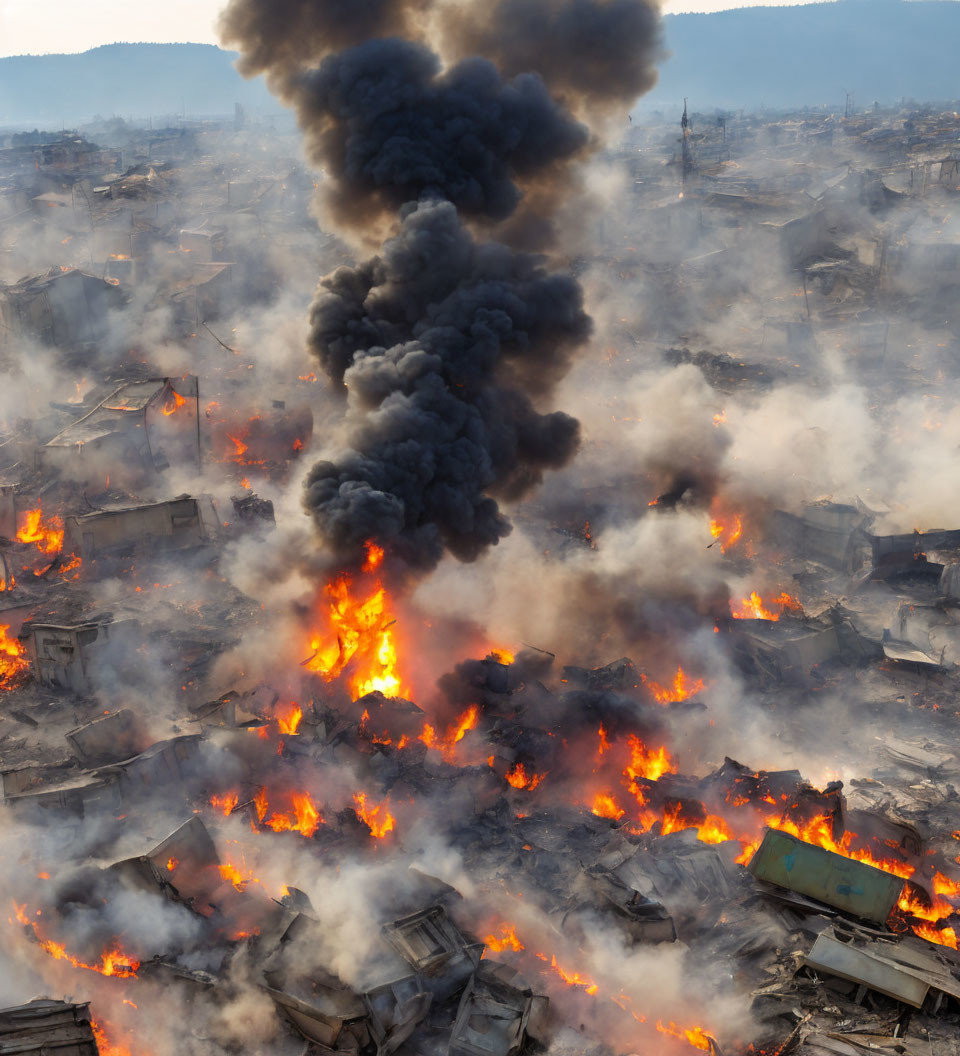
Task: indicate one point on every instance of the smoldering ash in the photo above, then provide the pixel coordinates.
(447, 344)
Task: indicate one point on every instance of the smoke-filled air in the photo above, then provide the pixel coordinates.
(477, 557)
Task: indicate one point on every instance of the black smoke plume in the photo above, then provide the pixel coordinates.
(389, 126)
(443, 341)
(439, 340)
(590, 53)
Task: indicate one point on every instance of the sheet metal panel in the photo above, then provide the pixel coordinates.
(847, 885)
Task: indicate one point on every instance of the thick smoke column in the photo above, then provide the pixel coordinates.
(434, 341)
(593, 55)
(443, 342)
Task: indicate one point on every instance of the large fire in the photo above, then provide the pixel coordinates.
(376, 816)
(359, 638)
(105, 1045)
(46, 533)
(304, 817)
(447, 743)
(13, 661)
(754, 607)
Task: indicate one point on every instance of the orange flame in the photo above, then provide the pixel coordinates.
(374, 556)
(45, 533)
(173, 403)
(225, 803)
(517, 777)
(105, 1047)
(605, 806)
(378, 819)
(446, 745)
(695, 1036)
(13, 662)
(73, 562)
(362, 636)
(113, 961)
(291, 721)
(713, 829)
(647, 763)
(230, 872)
(754, 608)
(506, 941)
(572, 978)
(681, 688)
(502, 656)
(727, 531)
(241, 448)
(306, 818)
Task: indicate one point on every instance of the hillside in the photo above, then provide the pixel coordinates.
(126, 80)
(774, 56)
(788, 56)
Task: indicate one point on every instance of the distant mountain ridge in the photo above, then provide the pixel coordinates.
(125, 80)
(775, 56)
(881, 50)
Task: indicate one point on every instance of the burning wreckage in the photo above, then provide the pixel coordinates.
(242, 812)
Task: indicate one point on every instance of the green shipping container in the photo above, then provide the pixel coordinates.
(853, 887)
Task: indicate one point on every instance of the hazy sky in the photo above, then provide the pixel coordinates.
(33, 26)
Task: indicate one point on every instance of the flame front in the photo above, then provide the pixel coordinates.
(507, 940)
(376, 817)
(225, 803)
(682, 688)
(517, 777)
(360, 636)
(290, 723)
(304, 817)
(446, 745)
(46, 533)
(727, 531)
(106, 1047)
(113, 960)
(695, 1036)
(173, 403)
(754, 607)
(13, 662)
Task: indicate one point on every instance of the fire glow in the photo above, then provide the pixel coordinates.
(46, 533)
(304, 817)
(360, 635)
(13, 661)
(173, 403)
(375, 816)
(727, 531)
(682, 688)
(755, 608)
(447, 744)
(113, 961)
